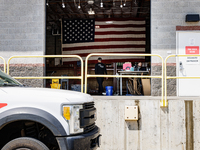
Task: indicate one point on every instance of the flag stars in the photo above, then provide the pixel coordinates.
(78, 31)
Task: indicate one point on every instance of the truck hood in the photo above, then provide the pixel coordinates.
(47, 94)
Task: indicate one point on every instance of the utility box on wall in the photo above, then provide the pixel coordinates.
(131, 113)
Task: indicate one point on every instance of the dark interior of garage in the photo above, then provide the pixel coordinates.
(120, 26)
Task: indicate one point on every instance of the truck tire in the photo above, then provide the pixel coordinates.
(25, 143)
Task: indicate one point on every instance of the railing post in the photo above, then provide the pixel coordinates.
(4, 63)
(163, 102)
(52, 77)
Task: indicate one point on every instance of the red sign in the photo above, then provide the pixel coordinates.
(192, 50)
(3, 105)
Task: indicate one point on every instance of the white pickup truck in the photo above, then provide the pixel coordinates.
(45, 119)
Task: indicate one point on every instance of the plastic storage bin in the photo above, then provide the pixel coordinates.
(109, 90)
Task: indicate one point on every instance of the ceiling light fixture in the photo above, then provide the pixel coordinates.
(63, 4)
(113, 2)
(90, 2)
(79, 5)
(91, 12)
(135, 2)
(121, 4)
(125, 3)
(47, 3)
(101, 4)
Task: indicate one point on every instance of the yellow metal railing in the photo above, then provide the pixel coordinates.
(163, 102)
(175, 77)
(4, 63)
(50, 77)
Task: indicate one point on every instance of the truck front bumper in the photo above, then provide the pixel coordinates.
(88, 141)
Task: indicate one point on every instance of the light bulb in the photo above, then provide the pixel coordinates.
(101, 4)
(79, 6)
(121, 5)
(47, 4)
(63, 5)
(124, 4)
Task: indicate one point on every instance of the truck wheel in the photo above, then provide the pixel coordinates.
(25, 143)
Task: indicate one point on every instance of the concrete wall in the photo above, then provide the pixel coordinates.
(157, 128)
(22, 31)
(165, 16)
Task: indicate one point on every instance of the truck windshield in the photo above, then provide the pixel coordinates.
(6, 80)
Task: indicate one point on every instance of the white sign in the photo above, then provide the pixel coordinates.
(192, 60)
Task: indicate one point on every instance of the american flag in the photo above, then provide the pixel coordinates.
(110, 36)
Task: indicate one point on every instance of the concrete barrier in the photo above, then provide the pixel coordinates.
(157, 128)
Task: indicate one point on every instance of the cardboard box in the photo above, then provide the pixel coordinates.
(146, 85)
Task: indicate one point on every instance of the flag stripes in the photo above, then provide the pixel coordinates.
(112, 36)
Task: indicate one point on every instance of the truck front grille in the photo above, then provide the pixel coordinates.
(88, 105)
(89, 128)
(88, 117)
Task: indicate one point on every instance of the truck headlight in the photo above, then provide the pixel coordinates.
(72, 114)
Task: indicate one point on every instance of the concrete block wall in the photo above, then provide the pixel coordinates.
(157, 128)
(22, 30)
(165, 16)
